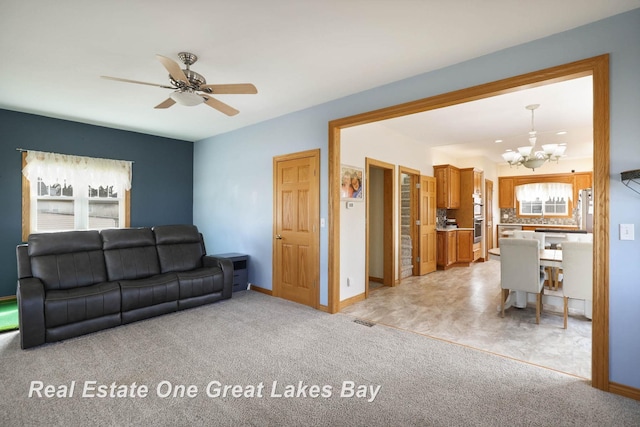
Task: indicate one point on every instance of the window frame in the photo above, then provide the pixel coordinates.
(26, 204)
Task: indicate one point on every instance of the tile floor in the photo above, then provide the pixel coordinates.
(461, 305)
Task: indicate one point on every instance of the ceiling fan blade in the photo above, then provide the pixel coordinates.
(166, 103)
(117, 79)
(219, 105)
(238, 88)
(173, 68)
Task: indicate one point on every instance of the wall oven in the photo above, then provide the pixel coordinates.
(477, 229)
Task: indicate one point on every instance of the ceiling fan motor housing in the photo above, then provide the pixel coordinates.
(195, 79)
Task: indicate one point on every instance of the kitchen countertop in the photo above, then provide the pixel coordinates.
(538, 225)
(454, 229)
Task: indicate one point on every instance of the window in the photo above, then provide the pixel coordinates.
(548, 199)
(62, 192)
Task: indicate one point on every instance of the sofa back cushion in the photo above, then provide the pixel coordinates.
(130, 253)
(179, 247)
(68, 259)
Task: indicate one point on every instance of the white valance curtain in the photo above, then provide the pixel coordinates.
(77, 170)
(544, 191)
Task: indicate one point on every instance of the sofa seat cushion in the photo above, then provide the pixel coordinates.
(201, 281)
(147, 292)
(63, 307)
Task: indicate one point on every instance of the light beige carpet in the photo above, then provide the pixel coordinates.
(326, 369)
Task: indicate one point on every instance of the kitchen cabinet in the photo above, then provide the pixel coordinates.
(447, 247)
(506, 193)
(465, 246)
(478, 179)
(477, 248)
(447, 186)
(581, 180)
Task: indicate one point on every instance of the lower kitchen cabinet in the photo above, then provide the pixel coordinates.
(465, 246)
(446, 250)
(454, 248)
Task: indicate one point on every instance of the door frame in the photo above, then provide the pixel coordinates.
(389, 267)
(415, 247)
(275, 287)
(488, 229)
(598, 68)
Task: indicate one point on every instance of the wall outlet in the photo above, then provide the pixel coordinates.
(348, 281)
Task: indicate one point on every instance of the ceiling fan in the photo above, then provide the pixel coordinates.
(191, 88)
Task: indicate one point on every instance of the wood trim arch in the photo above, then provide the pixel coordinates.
(598, 68)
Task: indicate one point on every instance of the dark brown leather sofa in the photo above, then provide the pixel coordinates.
(77, 282)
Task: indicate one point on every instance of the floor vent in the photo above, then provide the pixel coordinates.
(364, 322)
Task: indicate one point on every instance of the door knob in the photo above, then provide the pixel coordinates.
(279, 237)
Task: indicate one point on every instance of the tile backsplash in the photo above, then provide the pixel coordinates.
(512, 218)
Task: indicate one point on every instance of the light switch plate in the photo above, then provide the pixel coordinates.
(626, 232)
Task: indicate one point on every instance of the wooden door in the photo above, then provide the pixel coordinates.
(296, 235)
(427, 226)
(488, 217)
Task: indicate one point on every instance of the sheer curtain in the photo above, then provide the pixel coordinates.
(77, 170)
(544, 191)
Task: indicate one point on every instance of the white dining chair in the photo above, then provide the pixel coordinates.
(541, 237)
(577, 271)
(523, 234)
(520, 270)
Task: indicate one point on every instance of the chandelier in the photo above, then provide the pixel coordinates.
(529, 158)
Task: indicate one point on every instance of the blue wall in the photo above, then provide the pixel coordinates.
(233, 201)
(162, 186)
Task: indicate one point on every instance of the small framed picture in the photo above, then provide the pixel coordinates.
(351, 183)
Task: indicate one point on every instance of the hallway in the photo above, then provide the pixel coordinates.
(460, 305)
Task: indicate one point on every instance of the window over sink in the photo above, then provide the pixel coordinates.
(544, 199)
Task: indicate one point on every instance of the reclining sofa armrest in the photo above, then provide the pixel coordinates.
(30, 296)
(227, 272)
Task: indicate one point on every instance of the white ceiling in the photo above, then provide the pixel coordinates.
(472, 129)
(297, 53)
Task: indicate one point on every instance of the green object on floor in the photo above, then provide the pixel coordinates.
(8, 315)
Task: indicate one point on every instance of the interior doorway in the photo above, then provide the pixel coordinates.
(597, 67)
(489, 241)
(409, 256)
(380, 235)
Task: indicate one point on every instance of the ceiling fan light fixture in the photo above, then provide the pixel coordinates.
(187, 98)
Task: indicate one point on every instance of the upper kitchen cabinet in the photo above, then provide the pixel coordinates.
(507, 185)
(506, 194)
(478, 180)
(447, 186)
(582, 180)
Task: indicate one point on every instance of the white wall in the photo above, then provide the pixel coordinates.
(380, 143)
